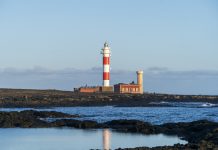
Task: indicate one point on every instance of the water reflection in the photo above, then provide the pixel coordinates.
(68, 139)
(106, 139)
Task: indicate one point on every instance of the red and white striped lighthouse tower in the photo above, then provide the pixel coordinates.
(106, 64)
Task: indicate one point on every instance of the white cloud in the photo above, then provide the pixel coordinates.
(155, 79)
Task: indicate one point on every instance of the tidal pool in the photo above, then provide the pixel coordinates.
(78, 139)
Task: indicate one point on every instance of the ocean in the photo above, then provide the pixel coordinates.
(165, 112)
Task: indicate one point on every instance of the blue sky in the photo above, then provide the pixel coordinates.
(180, 35)
(163, 34)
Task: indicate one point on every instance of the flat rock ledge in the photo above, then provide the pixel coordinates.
(200, 134)
(29, 98)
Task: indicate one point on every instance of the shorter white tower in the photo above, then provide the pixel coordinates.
(140, 80)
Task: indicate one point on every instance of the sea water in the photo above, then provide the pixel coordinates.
(177, 112)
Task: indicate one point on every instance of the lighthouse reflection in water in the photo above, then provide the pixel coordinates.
(106, 139)
(78, 139)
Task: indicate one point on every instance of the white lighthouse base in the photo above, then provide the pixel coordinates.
(106, 83)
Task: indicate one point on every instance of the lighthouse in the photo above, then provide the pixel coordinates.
(106, 65)
(130, 88)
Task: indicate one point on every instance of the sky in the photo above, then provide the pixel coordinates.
(174, 40)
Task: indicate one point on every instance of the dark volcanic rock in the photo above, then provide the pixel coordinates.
(207, 146)
(75, 123)
(175, 147)
(47, 114)
(29, 118)
(132, 126)
(14, 119)
(191, 131)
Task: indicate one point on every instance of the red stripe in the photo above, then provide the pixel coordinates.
(106, 60)
(106, 76)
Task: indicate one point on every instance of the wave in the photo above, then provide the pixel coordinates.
(184, 104)
(209, 105)
(159, 103)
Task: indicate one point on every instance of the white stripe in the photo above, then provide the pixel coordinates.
(106, 82)
(106, 68)
(107, 51)
(106, 55)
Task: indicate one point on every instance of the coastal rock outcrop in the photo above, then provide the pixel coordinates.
(29, 118)
(86, 124)
(132, 126)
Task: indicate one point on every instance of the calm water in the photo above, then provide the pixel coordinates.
(76, 139)
(178, 112)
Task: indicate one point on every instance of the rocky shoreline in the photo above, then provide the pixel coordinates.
(54, 98)
(201, 134)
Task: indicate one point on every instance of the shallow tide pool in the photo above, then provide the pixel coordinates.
(78, 139)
